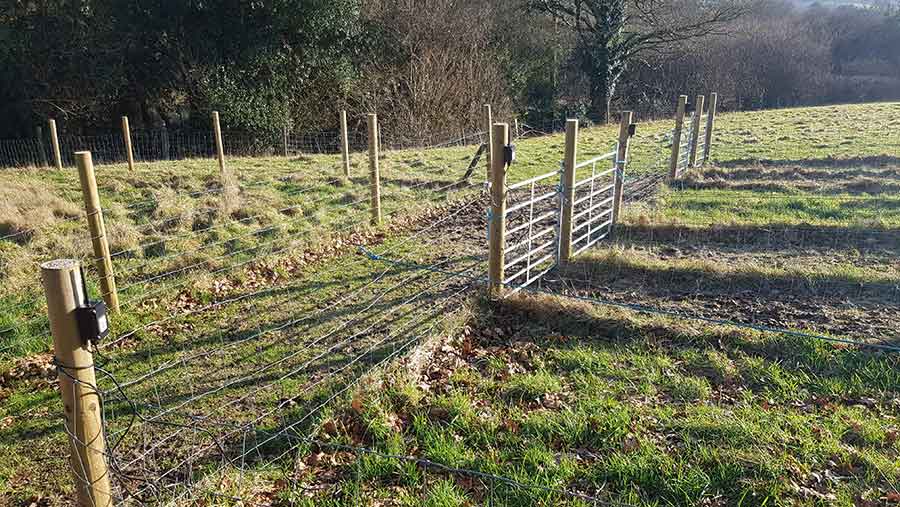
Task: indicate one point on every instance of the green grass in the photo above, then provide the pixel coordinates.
(705, 415)
(548, 393)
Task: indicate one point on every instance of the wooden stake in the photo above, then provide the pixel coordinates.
(54, 141)
(220, 149)
(710, 124)
(676, 136)
(166, 147)
(497, 226)
(695, 130)
(126, 135)
(568, 191)
(77, 384)
(39, 132)
(516, 127)
(284, 141)
(97, 229)
(488, 128)
(621, 161)
(345, 144)
(374, 176)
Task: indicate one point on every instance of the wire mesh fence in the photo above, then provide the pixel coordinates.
(150, 145)
(204, 400)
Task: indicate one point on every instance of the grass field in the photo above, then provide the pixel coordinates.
(573, 395)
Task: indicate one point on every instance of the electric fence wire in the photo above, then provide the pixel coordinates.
(405, 242)
(120, 388)
(411, 299)
(287, 430)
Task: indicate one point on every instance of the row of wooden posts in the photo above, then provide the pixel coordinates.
(64, 291)
(680, 110)
(499, 138)
(94, 212)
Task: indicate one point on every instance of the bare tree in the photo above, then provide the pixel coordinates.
(612, 32)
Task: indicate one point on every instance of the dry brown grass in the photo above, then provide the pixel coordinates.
(25, 206)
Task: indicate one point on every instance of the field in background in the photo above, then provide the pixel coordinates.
(795, 225)
(170, 216)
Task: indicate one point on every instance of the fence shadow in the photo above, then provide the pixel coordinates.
(767, 238)
(873, 160)
(616, 272)
(584, 323)
(295, 412)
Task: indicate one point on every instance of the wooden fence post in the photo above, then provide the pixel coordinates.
(676, 136)
(39, 132)
(345, 144)
(284, 140)
(54, 141)
(489, 128)
(374, 175)
(77, 384)
(166, 147)
(568, 191)
(695, 129)
(621, 160)
(220, 149)
(97, 228)
(497, 225)
(516, 127)
(710, 124)
(126, 135)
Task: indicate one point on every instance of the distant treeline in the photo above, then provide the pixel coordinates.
(425, 66)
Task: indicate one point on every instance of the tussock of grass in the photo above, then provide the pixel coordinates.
(26, 206)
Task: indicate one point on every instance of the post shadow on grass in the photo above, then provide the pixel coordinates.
(254, 442)
(765, 238)
(253, 353)
(583, 323)
(259, 299)
(261, 340)
(800, 189)
(290, 293)
(797, 205)
(794, 174)
(616, 273)
(871, 160)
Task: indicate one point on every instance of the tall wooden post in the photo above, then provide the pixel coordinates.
(710, 124)
(164, 137)
(516, 127)
(621, 161)
(77, 384)
(489, 129)
(126, 135)
(374, 175)
(345, 144)
(676, 136)
(284, 140)
(220, 148)
(497, 225)
(97, 228)
(695, 130)
(568, 191)
(54, 141)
